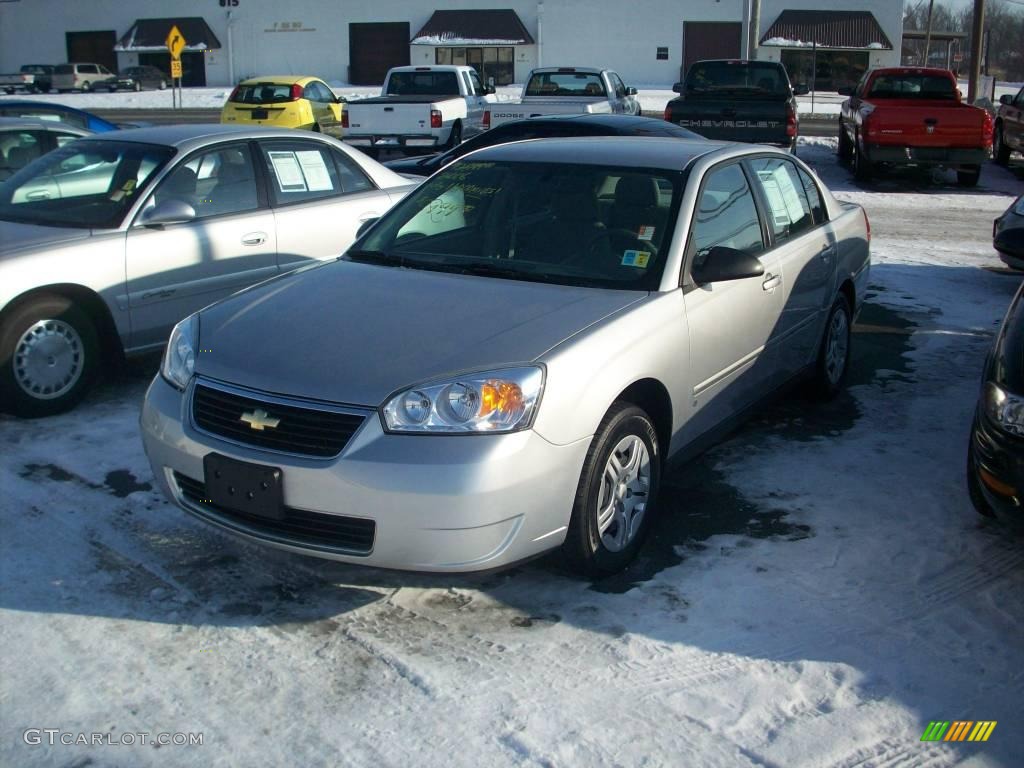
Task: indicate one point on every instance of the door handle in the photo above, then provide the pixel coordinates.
(38, 196)
(163, 293)
(771, 282)
(254, 238)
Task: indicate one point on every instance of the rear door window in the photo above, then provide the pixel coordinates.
(789, 213)
(300, 171)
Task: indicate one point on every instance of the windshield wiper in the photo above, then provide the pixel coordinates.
(373, 257)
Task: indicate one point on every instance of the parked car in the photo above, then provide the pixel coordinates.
(41, 110)
(32, 78)
(140, 78)
(107, 242)
(912, 116)
(502, 363)
(995, 453)
(554, 126)
(23, 140)
(419, 107)
(1008, 235)
(736, 100)
(567, 90)
(1009, 127)
(284, 102)
(83, 77)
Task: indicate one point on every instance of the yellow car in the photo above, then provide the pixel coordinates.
(284, 102)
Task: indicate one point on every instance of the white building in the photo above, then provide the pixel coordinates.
(647, 42)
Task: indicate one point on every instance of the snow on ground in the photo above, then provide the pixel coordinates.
(816, 590)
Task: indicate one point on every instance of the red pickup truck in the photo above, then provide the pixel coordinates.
(912, 116)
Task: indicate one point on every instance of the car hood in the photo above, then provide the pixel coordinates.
(15, 238)
(356, 333)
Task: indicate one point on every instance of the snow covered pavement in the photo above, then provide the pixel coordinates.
(817, 589)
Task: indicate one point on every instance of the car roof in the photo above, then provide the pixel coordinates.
(569, 70)
(630, 151)
(34, 124)
(51, 105)
(187, 136)
(278, 79)
(624, 123)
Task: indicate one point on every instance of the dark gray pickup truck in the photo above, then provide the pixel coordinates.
(735, 100)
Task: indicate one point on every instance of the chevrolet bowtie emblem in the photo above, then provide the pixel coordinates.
(260, 420)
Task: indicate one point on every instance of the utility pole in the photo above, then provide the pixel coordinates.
(755, 26)
(928, 34)
(976, 37)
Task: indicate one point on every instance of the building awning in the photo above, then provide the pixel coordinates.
(827, 29)
(485, 27)
(147, 35)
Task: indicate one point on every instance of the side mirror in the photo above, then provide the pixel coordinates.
(365, 226)
(801, 89)
(488, 89)
(1006, 99)
(723, 263)
(168, 212)
(677, 88)
(630, 90)
(846, 90)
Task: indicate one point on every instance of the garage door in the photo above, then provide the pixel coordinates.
(710, 40)
(92, 48)
(373, 49)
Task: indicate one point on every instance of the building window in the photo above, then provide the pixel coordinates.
(663, 53)
(835, 69)
(488, 62)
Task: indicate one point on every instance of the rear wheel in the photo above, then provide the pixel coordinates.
(49, 353)
(862, 170)
(968, 177)
(86, 87)
(163, 85)
(617, 491)
(455, 138)
(834, 353)
(1000, 152)
(845, 151)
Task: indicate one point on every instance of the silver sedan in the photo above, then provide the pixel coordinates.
(504, 362)
(107, 242)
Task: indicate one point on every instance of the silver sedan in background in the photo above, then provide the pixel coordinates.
(107, 242)
(502, 364)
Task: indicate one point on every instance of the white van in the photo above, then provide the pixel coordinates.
(84, 77)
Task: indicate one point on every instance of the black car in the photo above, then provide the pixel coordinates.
(1008, 235)
(543, 128)
(995, 455)
(141, 77)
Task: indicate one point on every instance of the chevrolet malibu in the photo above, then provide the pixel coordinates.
(107, 242)
(504, 362)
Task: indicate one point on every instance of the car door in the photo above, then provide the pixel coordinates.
(1013, 125)
(806, 254)
(732, 323)
(320, 197)
(175, 269)
(621, 104)
(325, 107)
(476, 103)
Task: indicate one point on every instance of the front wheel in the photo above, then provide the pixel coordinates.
(968, 177)
(616, 495)
(86, 87)
(49, 353)
(834, 353)
(845, 148)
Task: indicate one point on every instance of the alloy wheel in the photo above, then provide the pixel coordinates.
(622, 501)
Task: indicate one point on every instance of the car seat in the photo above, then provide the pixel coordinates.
(636, 204)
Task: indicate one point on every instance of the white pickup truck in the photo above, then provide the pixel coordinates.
(566, 91)
(419, 107)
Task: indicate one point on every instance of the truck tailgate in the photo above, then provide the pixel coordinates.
(908, 122)
(750, 120)
(540, 107)
(384, 116)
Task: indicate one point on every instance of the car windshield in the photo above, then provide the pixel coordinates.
(422, 84)
(585, 225)
(262, 93)
(912, 87)
(738, 77)
(565, 84)
(85, 184)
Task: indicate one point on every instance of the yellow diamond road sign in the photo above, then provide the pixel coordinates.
(175, 42)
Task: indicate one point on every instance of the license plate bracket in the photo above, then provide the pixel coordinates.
(253, 489)
(260, 114)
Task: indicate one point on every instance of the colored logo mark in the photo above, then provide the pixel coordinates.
(959, 730)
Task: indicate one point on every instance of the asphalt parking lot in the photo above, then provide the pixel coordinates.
(816, 590)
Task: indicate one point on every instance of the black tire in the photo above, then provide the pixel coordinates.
(86, 87)
(86, 351)
(862, 170)
(1000, 152)
(829, 377)
(981, 505)
(845, 150)
(455, 137)
(584, 549)
(968, 177)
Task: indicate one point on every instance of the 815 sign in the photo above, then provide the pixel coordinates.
(228, 3)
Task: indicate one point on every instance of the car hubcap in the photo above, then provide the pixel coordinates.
(622, 501)
(835, 351)
(48, 359)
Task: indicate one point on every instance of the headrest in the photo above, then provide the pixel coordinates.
(636, 191)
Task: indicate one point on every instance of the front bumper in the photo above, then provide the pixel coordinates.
(998, 461)
(439, 502)
(941, 156)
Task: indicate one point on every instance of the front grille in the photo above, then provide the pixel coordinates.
(300, 430)
(352, 535)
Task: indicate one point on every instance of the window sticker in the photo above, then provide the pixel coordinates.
(288, 171)
(782, 196)
(636, 259)
(646, 232)
(314, 168)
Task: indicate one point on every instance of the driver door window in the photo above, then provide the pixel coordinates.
(726, 215)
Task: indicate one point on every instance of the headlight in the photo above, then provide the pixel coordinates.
(492, 401)
(180, 358)
(1005, 409)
